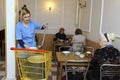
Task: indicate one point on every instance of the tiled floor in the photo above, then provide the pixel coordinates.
(52, 74)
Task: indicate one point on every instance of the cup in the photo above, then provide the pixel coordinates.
(77, 53)
(89, 54)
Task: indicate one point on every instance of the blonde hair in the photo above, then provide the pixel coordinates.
(23, 11)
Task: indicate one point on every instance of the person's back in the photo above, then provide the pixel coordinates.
(108, 54)
(78, 40)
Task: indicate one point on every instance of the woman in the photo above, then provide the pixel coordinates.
(78, 40)
(25, 29)
(107, 54)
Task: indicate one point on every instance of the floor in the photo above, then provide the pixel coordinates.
(53, 73)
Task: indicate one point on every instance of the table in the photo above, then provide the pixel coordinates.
(61, 58)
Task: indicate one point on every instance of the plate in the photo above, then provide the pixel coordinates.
(88, 52)
(66, 52)
(36, 59)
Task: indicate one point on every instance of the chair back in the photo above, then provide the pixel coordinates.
(110, 70)
(65, 48)
(73, 67)
(78, 46)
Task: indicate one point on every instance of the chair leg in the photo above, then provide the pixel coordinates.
(100, 73)
(86, 71)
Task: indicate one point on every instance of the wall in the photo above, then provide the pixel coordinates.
(95, 21)
(85, 11)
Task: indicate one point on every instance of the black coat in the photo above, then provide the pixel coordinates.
(60, 36)
(108, 54)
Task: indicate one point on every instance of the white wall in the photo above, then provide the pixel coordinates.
(85, 15)
(95, 21)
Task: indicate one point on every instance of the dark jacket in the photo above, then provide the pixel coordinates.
(108, 54)
(60, 36)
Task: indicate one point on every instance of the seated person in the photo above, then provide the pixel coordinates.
(77, 39)
(60, 36)
(106, 54)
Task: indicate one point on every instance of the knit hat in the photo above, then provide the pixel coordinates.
(108, 37)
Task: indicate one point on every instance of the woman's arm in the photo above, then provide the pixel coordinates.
(38, 25)
(22, 44)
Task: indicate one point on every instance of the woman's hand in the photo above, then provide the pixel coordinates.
(45, 26)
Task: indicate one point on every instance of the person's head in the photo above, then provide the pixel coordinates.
(61, 30)
(78, 31)
(24, 14)
(106, 39)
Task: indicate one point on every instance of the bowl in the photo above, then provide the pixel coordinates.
(82, 55)
(66, 52)
(89, 54)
